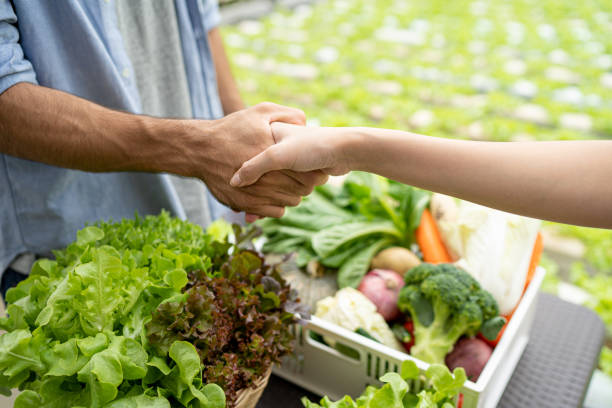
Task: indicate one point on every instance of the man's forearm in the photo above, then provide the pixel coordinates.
(561, 181)
(53, 127)
(228, 90)
(60, 129)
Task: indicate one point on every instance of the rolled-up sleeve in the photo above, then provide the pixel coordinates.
(210, 14)
(14, 67)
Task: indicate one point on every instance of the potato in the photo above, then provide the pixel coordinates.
(397, 259)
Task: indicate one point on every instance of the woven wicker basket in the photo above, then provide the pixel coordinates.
(247, 398)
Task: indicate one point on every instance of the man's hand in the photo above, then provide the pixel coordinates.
(56, 128)
(230, 141)
(299, 149)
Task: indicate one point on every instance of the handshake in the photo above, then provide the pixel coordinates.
(261, 159)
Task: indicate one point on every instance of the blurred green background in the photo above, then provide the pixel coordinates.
(482, 70)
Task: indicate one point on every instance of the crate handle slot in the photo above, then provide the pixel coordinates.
(348, 353)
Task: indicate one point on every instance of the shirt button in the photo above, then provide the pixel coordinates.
(125, 73)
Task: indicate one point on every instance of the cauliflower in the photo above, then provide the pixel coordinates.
(351, 310)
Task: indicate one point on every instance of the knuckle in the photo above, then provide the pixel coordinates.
(299, 188)
(262, 211)
(300, 115)
(308, 189)
(265, 106)
(265, 180)
(229, 201)
(310, 181)
(295, 201)
(322, 179)
(242, 204)
(241, 115)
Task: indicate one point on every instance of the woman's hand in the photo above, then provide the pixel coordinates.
(299, 149)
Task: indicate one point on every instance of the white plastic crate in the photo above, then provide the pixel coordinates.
(325, 371)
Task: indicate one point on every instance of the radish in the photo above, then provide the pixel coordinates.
(382, 287)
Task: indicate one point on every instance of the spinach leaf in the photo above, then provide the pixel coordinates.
(327, 241)
(352, 271)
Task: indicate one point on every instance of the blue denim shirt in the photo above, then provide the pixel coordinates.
(75, 46)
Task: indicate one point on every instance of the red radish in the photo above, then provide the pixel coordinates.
(471, 354)
(382, 287)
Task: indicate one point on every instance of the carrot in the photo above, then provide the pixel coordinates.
(429, 240)
(535, 260)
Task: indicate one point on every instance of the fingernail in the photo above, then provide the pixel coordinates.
(235, 181)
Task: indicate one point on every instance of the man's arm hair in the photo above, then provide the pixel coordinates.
(57, 128)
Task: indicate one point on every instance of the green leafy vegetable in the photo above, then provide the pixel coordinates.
(345, 227)
(78, 328)
(441, 389)
(329, 240)
(233, 353)
(353, 270)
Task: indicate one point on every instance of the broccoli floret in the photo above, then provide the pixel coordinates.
(446, 303)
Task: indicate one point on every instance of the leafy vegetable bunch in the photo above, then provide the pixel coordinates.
(345, 227)
(237, 320)
(440, 391)
(77, 327)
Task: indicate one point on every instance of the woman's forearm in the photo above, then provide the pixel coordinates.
(568, 182)
(560, 181)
